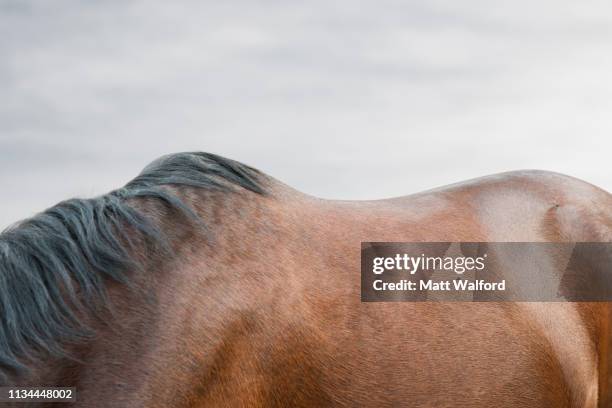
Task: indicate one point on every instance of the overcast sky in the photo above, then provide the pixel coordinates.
(340, 99)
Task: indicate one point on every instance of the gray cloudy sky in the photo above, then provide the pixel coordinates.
(340, 99)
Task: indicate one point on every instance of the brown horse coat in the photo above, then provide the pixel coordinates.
(262, 307)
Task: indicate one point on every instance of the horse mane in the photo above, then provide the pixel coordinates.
(57, 263)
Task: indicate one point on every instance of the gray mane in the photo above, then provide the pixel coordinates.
(58, 262)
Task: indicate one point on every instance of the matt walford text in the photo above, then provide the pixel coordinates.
(410, 265)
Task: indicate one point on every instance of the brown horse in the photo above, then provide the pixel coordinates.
(204, 283)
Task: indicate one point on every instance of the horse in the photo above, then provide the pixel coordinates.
(205, 283)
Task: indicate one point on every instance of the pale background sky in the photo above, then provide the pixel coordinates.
(340, 99)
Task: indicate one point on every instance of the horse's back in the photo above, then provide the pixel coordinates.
(462, 354)
(292, 277)
(526, 205)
